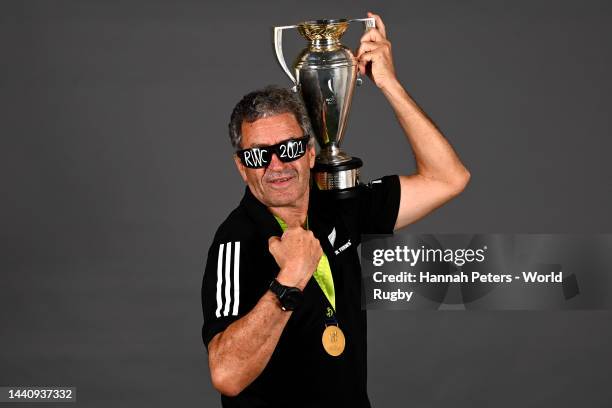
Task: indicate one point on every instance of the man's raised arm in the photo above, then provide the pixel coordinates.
(440, 175)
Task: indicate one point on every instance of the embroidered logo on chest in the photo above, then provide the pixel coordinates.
(332, 237)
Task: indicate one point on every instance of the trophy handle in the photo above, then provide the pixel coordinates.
(278, 49)
(369, 22)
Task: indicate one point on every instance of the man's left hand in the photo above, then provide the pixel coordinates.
(374, 55)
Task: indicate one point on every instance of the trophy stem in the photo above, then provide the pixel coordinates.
(332, 154)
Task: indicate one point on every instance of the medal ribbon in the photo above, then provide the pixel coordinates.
(323, 274)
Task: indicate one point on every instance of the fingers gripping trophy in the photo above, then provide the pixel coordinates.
(325, 73)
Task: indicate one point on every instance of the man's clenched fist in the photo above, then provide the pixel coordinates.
(297, 252)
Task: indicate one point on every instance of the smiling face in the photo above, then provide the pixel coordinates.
(280, 184)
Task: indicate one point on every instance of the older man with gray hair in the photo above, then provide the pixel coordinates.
(281, 293)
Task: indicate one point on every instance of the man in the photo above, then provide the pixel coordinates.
(263, 314)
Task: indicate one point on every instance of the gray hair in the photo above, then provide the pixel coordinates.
(263, 103)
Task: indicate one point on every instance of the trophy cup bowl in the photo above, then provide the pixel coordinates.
(325, 76)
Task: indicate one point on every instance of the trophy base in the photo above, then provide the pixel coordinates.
(341, 179)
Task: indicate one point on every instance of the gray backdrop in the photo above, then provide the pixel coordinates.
(116, 170)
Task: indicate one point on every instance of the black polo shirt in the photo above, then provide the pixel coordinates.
(238, 272)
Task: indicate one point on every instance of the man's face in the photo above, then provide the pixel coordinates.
(280, 184)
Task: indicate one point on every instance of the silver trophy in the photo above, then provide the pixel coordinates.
(325, 75)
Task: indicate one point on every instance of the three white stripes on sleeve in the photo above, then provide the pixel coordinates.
(224, 273)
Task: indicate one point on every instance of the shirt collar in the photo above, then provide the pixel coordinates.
(265, 221)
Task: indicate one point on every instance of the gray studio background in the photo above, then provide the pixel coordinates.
(116, 171)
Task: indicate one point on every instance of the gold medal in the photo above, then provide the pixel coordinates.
(333, 340)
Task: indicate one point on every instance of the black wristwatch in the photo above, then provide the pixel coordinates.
(289, 297)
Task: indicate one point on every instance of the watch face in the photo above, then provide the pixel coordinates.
(292, 299)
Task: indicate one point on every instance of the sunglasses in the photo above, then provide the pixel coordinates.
(286, 151)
